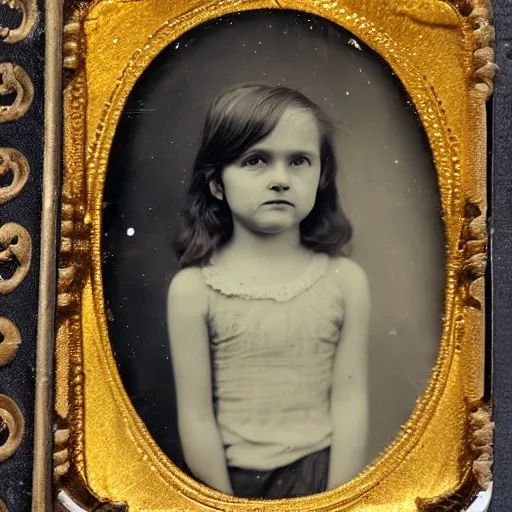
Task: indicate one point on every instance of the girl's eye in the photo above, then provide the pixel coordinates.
(254, 161)
(300, 161)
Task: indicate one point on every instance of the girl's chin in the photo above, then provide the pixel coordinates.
(274, 225)
(277, 223)
(275, 229)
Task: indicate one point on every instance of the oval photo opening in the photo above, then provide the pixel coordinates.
(273, 254)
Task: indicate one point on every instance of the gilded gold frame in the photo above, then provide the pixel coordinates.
(441, 51)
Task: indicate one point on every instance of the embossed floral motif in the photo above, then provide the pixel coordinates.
(29, 16)
(15, 82)
(15, 256)
(14, 172)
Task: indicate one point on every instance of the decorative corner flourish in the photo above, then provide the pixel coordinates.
(72, 493)
(478, 475)
(455, 500)
(67, 500)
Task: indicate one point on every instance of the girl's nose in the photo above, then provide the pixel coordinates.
(278, 187)
(279, 180)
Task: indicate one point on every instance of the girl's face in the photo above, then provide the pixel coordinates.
(272, 187)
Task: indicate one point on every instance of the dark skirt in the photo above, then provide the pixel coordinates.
(301, 478)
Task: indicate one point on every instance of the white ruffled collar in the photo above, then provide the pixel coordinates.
(217, 278)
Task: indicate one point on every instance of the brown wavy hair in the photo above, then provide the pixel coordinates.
(238, 119)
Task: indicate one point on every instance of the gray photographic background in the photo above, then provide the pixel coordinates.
(387, 185)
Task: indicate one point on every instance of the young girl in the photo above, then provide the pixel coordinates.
(267, 320)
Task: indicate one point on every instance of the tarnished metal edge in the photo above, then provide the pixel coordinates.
(41, 486)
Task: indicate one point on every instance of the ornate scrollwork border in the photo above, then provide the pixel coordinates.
(17, 245)
(461, 32)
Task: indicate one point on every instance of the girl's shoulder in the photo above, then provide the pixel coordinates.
(349, 274)
(188, 286)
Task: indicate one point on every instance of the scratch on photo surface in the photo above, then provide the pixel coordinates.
(355, 44)
(416, 387)
(139, 110)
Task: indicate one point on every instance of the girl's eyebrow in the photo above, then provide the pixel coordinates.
(308, 154)
(255, 151)
(293, 154)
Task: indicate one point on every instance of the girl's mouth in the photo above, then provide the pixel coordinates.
(279, 201)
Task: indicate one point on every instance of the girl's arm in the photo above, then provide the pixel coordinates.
(349, 395)
(186, 315)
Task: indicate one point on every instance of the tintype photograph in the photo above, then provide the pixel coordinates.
(273, 254)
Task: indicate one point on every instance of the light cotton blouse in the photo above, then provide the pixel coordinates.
(272, 353)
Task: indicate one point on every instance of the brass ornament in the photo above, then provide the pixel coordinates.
(30, 15)
(12, 161)
(482, 428)
(61, 453)
(11, 418)
(483, 56)
(90, 395)
(15, 256)
(16, 81)
(72, 33)
(11, 340)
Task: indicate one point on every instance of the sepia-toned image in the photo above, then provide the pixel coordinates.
(273, 254)
(250, 255)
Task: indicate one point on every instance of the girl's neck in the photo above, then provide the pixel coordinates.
(261, 246)
(264, 259)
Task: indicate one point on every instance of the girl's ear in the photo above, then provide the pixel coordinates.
(216, 190)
